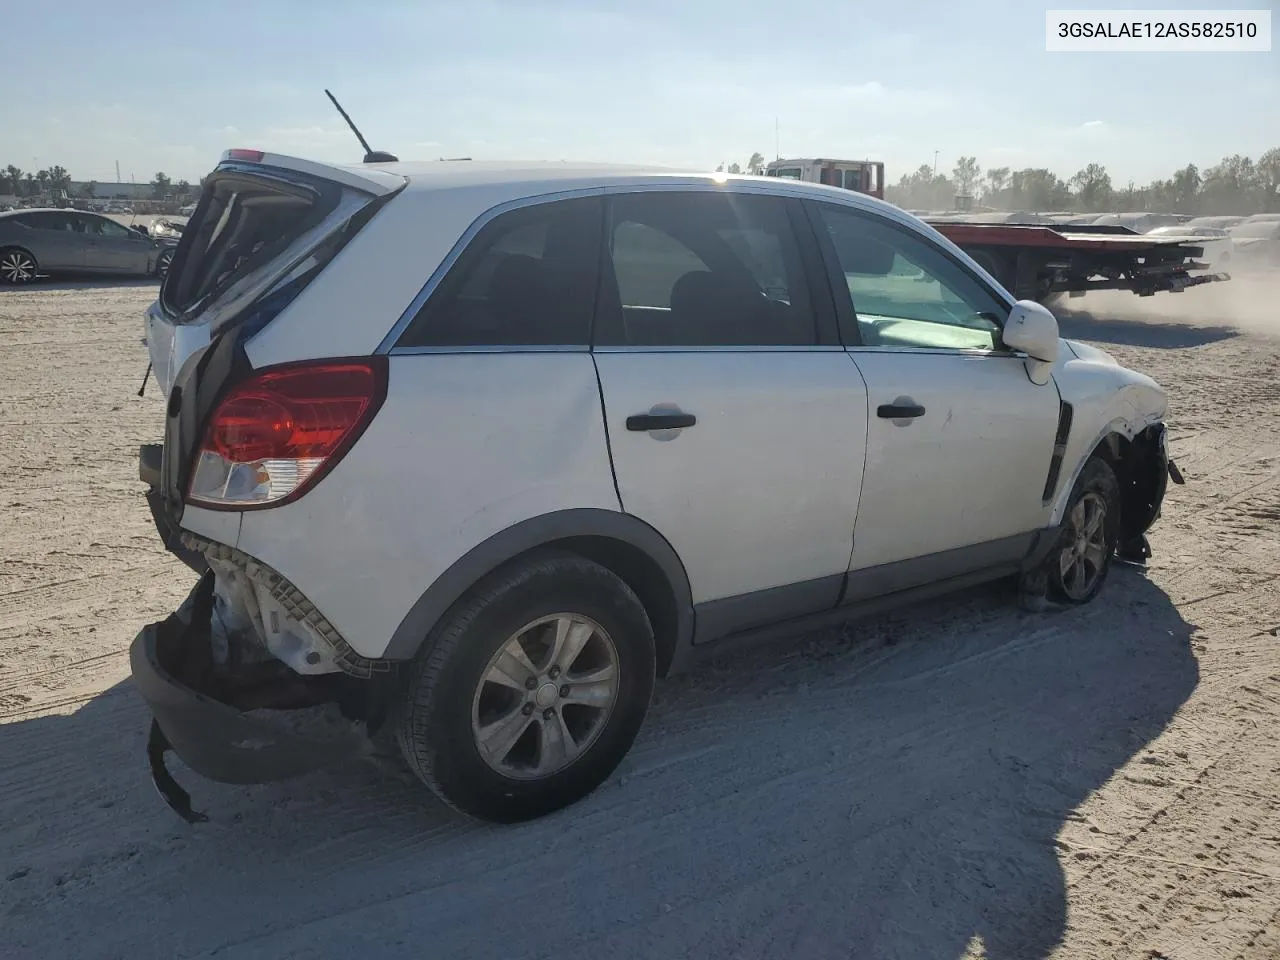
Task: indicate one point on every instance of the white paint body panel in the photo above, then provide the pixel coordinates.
(465, 446)
(169, 345)
(220, 526)
(970, 470)
(763, 490)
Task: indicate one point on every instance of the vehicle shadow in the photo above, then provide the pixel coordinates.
(892, 789)
(1083, 325)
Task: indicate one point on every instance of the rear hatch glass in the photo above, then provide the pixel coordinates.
(245, 223)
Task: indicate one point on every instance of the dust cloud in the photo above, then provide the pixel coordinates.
(1247, 302)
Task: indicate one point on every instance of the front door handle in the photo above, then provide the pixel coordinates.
(901, 409)
(660, 421)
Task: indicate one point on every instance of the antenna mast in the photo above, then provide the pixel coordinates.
(370, 155)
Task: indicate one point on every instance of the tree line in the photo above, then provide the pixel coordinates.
(1237, 185)
(15, 181)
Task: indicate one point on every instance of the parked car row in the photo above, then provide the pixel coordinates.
(1233, 243)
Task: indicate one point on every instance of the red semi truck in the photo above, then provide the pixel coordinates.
(1035, 261)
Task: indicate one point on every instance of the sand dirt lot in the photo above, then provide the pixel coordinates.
(959, 780)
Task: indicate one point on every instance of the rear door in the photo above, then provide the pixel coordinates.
(55, 243)
(737, 424)
(959, 440)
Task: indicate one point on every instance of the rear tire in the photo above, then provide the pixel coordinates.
(455, 720)
(17, 266)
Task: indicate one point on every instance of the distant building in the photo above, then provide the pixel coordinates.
(112, 191)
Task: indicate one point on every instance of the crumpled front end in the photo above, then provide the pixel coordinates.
(229, 675)
(1144, 469)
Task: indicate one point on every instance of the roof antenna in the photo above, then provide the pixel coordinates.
(370, 155)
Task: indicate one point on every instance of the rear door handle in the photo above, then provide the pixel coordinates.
(660, 421)
(899, 411)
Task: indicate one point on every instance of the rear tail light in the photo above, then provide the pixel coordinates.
(254, 156)
(273, 436)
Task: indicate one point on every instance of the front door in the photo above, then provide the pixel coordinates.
(736, 425)
(113, 248)
(959, 440)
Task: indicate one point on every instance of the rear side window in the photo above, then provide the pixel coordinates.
(242, 224)
(703, 269)
(49, 221)
(527, 279)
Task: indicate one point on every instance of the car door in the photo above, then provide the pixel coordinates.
(736, 422)
(959, 439)
(113, 248)
(55, 244)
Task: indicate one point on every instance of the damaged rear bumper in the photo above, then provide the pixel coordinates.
(199, 713)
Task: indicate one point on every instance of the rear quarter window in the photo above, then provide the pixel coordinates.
(528, 278)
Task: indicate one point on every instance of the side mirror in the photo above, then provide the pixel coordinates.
(1032, 329)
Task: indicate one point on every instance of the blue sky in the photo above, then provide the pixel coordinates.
(168, 87)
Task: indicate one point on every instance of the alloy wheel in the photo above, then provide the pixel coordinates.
(545, 696)
(1084, 558)
(17, 267)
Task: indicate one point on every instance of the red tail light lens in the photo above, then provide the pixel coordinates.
(254, 156)
(273, 436)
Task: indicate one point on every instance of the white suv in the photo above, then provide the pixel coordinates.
(476, 451)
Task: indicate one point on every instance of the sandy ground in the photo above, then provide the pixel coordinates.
(958, 780)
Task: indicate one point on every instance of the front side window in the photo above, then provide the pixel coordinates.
(703, 269)
(904, 291)
(527, 279)
(109, 228)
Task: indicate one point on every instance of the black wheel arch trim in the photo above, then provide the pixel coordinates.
(544, 531)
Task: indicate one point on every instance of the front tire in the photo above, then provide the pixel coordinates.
(531, 691)
(1078, 564)
(17, 266)
(162, 263)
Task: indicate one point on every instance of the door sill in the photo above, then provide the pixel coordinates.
(857, 610)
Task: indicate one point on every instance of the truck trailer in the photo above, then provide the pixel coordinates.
(1036, 261)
